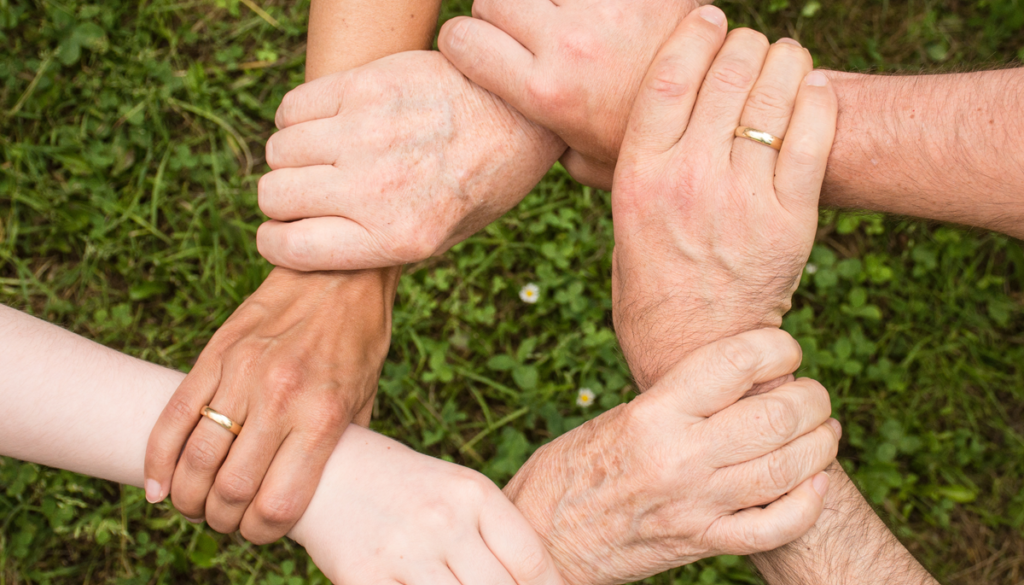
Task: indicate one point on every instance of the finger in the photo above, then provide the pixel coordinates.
(720, 373)
(314, 100)
(304, 145)
(493, 60)
(801, 165)
(524, 20)
(761, 424)
(757, 530)
(763, 480)
(177, 421)
(587, 171)
(474, 563)
(296, 193)
(236, 484)
(290, 483)
(205, 453)
(771, 103)
(725, 89)
(663, 105)
(516, 545)
(328, 243)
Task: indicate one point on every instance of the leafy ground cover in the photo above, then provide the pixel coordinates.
(131, 136)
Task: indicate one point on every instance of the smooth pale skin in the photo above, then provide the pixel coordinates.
(403, 518)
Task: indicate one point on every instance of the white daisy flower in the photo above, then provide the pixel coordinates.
(530, 293)
(811, 268)
(585, 397)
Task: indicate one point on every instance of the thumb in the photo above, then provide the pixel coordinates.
(717, 375)
(786, 519)
(492, 59)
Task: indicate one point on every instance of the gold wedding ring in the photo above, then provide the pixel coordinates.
(759, 137)
(222, 420)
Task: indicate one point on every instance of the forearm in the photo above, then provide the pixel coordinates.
(943, 147)
(73, 404)
(344, 34)
(848, 544)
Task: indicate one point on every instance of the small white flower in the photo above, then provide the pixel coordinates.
(530, 293)
(811, 268)
(585, 397)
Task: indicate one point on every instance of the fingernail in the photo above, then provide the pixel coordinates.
(713, 14)
(816, 79)
(154, 492)
(457, 37)
(788, 41)
(838, 428)
(820, 483)
(193, 520)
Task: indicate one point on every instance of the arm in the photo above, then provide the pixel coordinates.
(942, 147)
(945, 147)
(281, 365)
(848, 544)
(405, 517)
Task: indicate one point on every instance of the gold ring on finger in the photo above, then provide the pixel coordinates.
(222, 420)
(759, 136)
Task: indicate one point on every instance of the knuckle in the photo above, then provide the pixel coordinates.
(770, 99)
(731, 76)
(749, 36)
(739, 354)
(181, 411)
(802, 154)
(779, 472)
(235, 489)
(283, 117)
(668, 80)
(779, 417)
(201, 455)
(547, 93)
(277, 510)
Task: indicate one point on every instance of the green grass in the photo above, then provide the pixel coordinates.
(131, 138)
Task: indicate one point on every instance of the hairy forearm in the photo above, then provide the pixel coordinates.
(943, 147)
(848, 545)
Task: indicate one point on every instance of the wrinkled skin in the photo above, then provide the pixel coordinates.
(574, 66)
(392, 163)
(679, 473)
(712, 231)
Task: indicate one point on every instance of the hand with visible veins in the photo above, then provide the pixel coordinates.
(573, 66)
(681, 472)
(392, 163)
(712, 231)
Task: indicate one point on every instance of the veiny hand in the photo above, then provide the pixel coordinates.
(573, 66)
(293, 365)
(712, 231)
(384, 514)
(392, 163)
(679, 473)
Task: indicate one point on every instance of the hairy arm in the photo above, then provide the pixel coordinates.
(943, 147)
(849, 544)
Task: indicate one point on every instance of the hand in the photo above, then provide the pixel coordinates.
(403, 517)
(574, 67)
(679, 473)
(712, 231)
(392, 163)
(293, 365)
